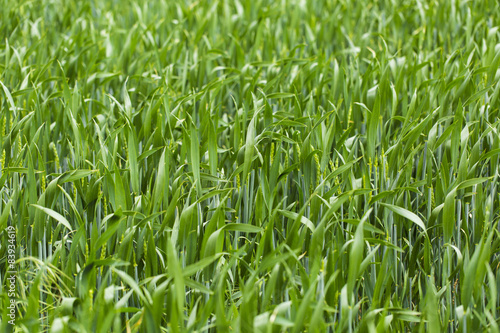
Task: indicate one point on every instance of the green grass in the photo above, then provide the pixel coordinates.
(251, 166)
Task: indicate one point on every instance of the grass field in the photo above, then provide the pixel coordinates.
(249, 166)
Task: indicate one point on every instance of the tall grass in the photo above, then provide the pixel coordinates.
(251, 166)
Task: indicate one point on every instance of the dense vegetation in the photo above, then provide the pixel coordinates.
(252, 166)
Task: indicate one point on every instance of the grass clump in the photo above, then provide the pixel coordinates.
(250, 166)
